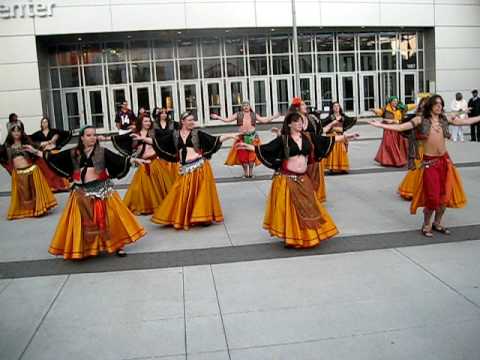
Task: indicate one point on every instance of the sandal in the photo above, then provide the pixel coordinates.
(426, 232)
(441, 229)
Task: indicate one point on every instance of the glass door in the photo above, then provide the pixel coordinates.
(368, 92)
(167, 98)
(236, 94)
(118, 94)
(72, 109)
(214, 100)
(348, 92)
(307, 90)
(190, 99)
(409, 86)
(388, 82)
(327, 91)
(96, 108)
(260, 96)
(142, 97)
(282, 93)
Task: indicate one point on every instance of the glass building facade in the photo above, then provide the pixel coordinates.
(195, 71)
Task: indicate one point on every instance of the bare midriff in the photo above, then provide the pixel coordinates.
(149, 152)
(434, 144)
(20, 162)
(91, 175)
(297, 164)
(247, 123)
(192, 155)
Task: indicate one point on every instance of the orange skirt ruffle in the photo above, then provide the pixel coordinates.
(150, 185)
(123, 229)
(31, 195)
(233, 159)
(455, 195)
(192, 200)
(56, 182)
(281, 219)
(393, 150)
(337, 160)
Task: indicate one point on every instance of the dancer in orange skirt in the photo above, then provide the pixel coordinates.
(293, 211)
(440, 186)
(52, 140)
(193, 199)
(337, 161)
(31, 195)
(152, 181)
(415, 156)
(94, 219)
(393, 149)
(246, 121)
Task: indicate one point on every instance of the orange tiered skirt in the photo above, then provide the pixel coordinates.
(31, 195)
(411, 179)
(453, 197)
(337, 161)
(281, 219)
(150, 185)
(322, 188)
(393, 150)
(70, 239)
(192, 200)
(234, 159)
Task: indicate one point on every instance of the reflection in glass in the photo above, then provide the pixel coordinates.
(305, 92)
(368, 92)
(141, 72)
(165, 71)
(67, 55)
(304, 44)
(69, 77)
(214, 105)
(282, 95)
(325, 63)
(368, 62)
(54, 78)
(347, 89)
(257, 45)
(389, 61)
(346, 62)
(119, 96)
(258, 65)
(116, 52)
(163, 49)
(210, 47)
(212, 68)
(57, 109)
(187, 48)
(140, 50)
(305, 62)
(190, 94)
(346, 42)
(117, 74)
(234, 46)
(92, 54)
(367, 41)
(326, 88)
(93, 75)
(281, 65)
(260, 97)
(236, 91)
(409, 88)
(324, 42)
(96, 108)
(236, 66)
(166, 98)
(143, 98)
(388, 41)
(188, 69)
(389, 84)
(279, 45)
(73, 110)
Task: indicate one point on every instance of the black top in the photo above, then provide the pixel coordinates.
(274, 153)
(125, 119)
(63, 137)
(66, 162)
(347, 122)
(475, 105)
(172, 148)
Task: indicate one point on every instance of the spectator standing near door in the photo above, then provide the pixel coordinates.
(459, 104)
(474, 105)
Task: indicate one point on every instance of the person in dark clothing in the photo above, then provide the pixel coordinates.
(125, 119)
(474, 105)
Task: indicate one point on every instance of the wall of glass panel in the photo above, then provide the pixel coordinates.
(214, 74)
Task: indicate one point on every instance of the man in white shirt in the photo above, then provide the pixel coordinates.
(459, 104)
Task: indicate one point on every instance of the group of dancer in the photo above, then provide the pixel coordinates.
(174, 182)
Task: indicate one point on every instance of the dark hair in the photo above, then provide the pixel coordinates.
(48, 122)
(427, 111)
(139, 121)
(421, 105)
(11, 116)
(80, 147)
(24, 139)
(330, 113)
(292, 116)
